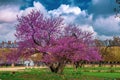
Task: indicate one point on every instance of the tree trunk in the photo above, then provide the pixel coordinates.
(57, 68)
(79, 64)
(61, 68)
(100, 64)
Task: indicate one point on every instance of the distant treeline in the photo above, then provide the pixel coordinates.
(8, 44)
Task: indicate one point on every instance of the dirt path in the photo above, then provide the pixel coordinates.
(12, 69)
(16, 68)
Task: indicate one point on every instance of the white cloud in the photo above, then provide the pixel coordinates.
(36, 6)
(6, 28)
(107, 26)
(7, 31)
(10, 36)
(40, 7)
(69, 13)
(8, 18)
(8, 13)
(65, 9)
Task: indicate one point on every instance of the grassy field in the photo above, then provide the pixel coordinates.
(68, 74)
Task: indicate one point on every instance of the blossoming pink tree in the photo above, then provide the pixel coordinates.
(58, 43)
(12, 56)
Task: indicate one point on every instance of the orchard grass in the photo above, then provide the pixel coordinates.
(68, 74)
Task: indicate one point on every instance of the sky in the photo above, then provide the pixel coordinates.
(96, 16)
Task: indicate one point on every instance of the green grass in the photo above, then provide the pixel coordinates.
(68, 74)
(101, 69)
(102, 74)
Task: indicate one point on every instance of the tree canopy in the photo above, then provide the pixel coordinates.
(59, 42)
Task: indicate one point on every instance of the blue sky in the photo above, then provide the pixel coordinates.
(96, 16)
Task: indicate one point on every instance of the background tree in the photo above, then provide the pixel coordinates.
(3, 54)
(109, 49)
(12, 56)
